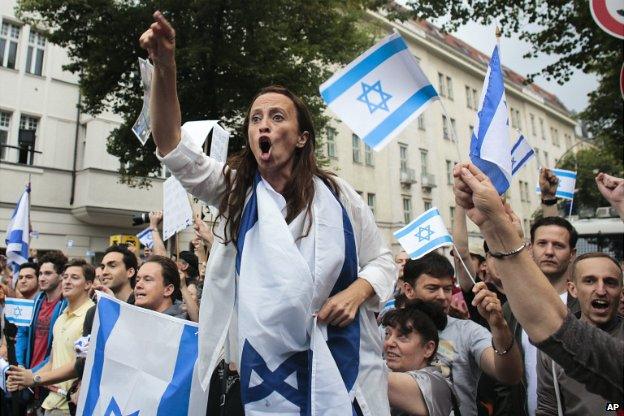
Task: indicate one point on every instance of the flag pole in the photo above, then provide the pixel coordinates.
(472, 279)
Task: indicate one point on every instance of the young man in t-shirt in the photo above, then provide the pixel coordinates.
(466, 348)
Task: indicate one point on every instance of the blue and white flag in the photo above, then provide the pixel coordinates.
(140, 362)
(146, 238)
(490, 149)
(426, 233)
(567, 182)
(521, 153)
(379, 93)
(17, 234)
(19, 311)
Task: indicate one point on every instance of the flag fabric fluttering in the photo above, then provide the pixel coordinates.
(490, 149)
(380, 93)
(19, 311)
(124, 377)
(17, 235)
(567, 182)
(146, 238)
(521, 153)
(426, 233)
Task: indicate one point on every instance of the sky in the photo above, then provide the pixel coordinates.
(573, 94)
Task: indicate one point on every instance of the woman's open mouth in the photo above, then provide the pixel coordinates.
(265, 147)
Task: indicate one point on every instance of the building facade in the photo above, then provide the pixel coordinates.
(78, 201)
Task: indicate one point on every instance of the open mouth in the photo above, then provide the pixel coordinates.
(390, 354)
(600, 304)
(265, 145)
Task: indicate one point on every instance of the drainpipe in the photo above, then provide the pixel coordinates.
(73, 184)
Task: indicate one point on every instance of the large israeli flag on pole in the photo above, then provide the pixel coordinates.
(19, 311)
(17, 235)
(379, 93)
(140, 362)
(426, 233)
(521, 153)
(567, 182)
(490, 149)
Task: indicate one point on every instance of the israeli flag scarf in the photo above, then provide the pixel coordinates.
(290, 364)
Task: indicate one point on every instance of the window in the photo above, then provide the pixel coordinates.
(424, 162)
(445, 130)
(469, 98)
(527, 194)
(527, 227)
(371, 202)
(515, 119)
(441, 87)
(427, 205)
(568, 139)
(554, 136)
(471, 129)
(533, 129)
(331, 143)
(449, 87)
(26, 139)
(355, 140)
(546, 160)
(542, 131)
(407, 209)
(34, 57)
(403, 156)
(453, 128)
(537, 156)
(9, 38)
(452, 212)
(421, 121)
(449, 172)
(5, 118)
(368, 155)
(475, 104)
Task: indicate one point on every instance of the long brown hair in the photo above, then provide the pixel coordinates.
(299, 191)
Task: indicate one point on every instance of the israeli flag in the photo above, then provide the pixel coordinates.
(426, 233)
(19, 311)
(379, 93)
(17, 234)
(521, 153)
(140, 362)
(490, 149)
(145, 237)
(567, 182)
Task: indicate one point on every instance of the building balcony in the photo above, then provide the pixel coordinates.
(427, 181)
(407, 176)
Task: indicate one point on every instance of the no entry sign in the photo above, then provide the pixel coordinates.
(609, 15)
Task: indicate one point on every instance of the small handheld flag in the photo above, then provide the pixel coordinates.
(17, 234)
(490, 149)
(379, 93)
(426, 233)
(567, 182)
(145, 237)
(521, 153)
(19, 311)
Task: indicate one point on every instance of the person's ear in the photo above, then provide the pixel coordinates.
(572, 289)
(169, 289)
(303, 139)
(430, 348)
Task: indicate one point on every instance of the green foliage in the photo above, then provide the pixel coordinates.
(226, 51)
(588, 163)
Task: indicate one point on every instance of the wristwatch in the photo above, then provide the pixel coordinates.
(36, 380)
(549, 201)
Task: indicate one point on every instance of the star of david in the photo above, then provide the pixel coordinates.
(274, 381)
(17, 311)
(374, 97)
(114, 410)
(424, 233)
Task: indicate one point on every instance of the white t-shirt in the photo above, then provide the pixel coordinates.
(530, 365)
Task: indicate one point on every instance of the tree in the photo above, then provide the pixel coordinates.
(226, 51)
(552, 27)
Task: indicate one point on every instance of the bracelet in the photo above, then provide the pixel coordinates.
(501, 254)
(550, 201)
(513, 341)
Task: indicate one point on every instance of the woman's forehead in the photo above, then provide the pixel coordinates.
(272, 100)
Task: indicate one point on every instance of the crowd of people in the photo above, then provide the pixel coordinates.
(528, 328)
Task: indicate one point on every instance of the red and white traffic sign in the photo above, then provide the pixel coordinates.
(622, 81)
(609, 15)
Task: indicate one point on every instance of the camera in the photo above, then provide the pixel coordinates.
(140, 218)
